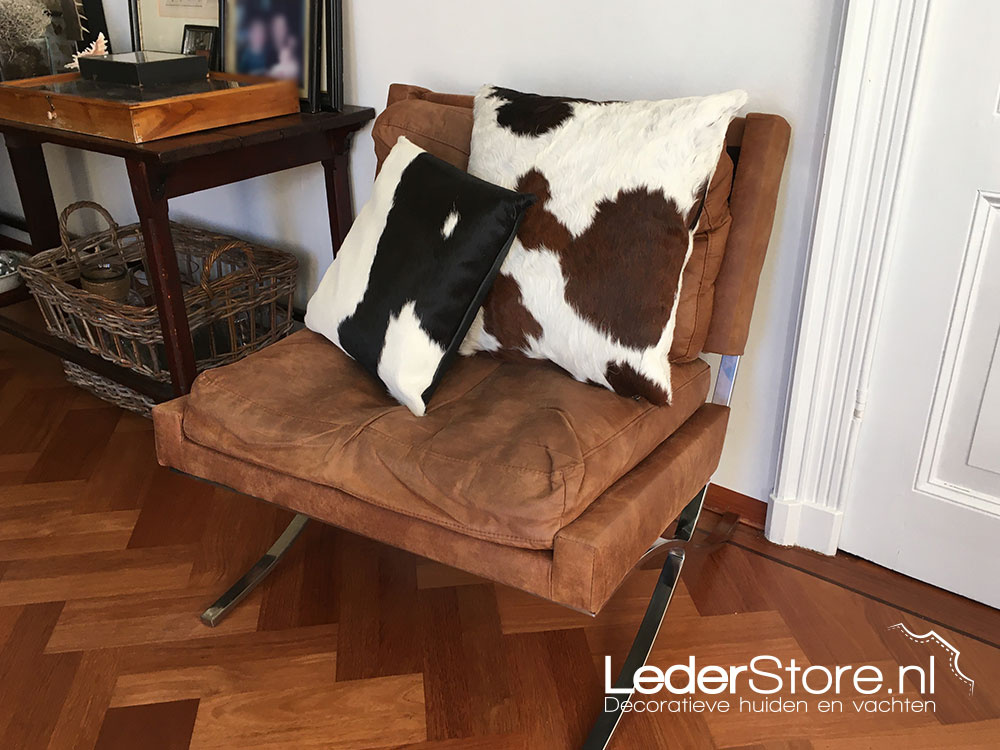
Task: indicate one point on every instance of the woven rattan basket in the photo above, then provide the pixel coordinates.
(108, 390)
(238, 296)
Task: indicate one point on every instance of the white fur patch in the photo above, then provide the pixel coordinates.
(346, 280)
(450, 222)
(409, 359)
(669, 146)
(478, 339)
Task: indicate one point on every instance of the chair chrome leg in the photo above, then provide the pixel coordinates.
(607, 721)
(670, 574)
(688, 519)
(238, 591)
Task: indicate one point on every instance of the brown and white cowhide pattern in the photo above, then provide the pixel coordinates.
(592, 280)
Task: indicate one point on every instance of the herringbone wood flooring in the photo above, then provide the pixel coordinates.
(106, 560)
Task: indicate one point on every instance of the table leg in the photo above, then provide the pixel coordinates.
(151, 205)
(338, 187)
(33, 186)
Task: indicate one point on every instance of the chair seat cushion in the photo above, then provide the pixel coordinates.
(508, 452)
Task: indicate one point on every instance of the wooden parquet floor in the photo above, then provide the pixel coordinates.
(106, 560)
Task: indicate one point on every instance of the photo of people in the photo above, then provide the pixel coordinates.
(269, 38)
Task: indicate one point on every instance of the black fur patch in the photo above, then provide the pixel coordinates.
(532, 114)
(446, 278)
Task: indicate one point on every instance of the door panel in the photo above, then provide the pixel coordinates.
(959, 446)
(925, 493)
(985, 451)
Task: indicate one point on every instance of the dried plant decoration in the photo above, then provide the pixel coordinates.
(21, 21)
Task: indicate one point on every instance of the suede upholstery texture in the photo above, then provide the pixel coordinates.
(442, 124)
(763, 145)
(551, 443)
(591, 549)
(590, 558)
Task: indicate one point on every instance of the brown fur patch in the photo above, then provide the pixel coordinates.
(621, 273)
(506, 317)
(624, 281)
(627, 382)
(539, 228)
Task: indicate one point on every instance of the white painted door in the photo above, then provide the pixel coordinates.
(924, 497)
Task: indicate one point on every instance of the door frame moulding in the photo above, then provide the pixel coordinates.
(846, 277)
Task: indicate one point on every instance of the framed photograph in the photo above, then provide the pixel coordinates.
(159, 25)
(277, 38)
(296, 39)
(202, 40)
(331, 84)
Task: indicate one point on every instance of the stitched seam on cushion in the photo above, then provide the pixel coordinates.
(631, 423)
(565, 492)
(573, 465)
(269, 410)
(488, 376)
(701, 284)
(365, 425)
(619, 432)
(468, 461)
(448, 524)
(524, 469)
(422, 134)
(593, 574)
(372, 428)
(593, 562)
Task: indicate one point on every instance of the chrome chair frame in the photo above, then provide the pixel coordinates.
(260, 570)
(663, 590)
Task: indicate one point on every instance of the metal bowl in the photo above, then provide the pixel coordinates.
(9, 277)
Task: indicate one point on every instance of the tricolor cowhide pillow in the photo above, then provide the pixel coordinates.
(414, 269)
(592, 280)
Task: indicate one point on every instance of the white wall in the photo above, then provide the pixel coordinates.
(781, 51)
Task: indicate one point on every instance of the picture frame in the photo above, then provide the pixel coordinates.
(332, 55)
(251, 32)
(201, 40)
(159, 25)
(321, 58)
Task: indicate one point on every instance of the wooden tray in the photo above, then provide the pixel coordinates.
(129, 113)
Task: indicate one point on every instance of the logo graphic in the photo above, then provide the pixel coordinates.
(932, 638)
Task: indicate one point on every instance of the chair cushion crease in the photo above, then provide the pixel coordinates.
(513, 451)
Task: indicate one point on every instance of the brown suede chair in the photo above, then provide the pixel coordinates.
(517, 473)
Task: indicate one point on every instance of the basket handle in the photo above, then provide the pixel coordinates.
(73, 208)
(221, 250)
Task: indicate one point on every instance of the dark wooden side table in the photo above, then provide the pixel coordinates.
(159, 171)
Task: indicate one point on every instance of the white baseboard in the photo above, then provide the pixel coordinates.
(794, 523)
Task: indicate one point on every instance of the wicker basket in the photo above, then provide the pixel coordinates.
(238, 297)
(108, 390)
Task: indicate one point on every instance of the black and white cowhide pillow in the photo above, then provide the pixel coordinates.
(593, 278)
(414, 269)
